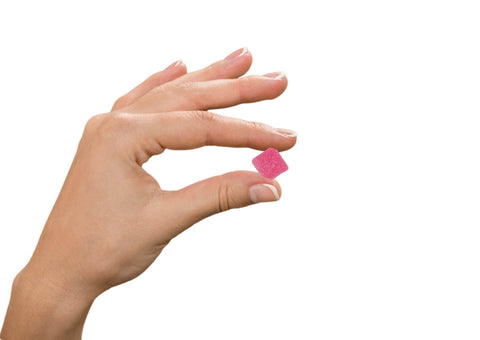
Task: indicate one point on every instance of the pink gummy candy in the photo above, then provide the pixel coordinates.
(270, 164)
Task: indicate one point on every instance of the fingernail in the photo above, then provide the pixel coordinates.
(175, 64)
(286, 133)
(263, 193)
(237, 53)
(275, 75)
(178, 63)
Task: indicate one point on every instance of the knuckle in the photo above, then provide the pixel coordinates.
(190, 94)
(228, 195)
(121, 102)
(93, 123)
(106, 125)
(257, 126)
(204, 116)
(116, 123)
(243, 87)
(182, 88)
(224, 196)
(215, 69)
(160, 90)
(156, 79)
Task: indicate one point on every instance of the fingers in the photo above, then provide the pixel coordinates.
(212, 94)
(215, 86)
(150, 134)
(217, 194)
(172, 72)
(233, 66)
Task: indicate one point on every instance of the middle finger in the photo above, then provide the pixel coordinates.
(208, 95)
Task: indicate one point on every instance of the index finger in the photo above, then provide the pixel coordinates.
(190, 130)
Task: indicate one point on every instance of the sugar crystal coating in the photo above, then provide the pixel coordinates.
(270, 164)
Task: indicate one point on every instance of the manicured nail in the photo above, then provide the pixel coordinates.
(175, 64)
(275, 75)
(263, 193)
(237, 53)
(178, 63)
(286, 133)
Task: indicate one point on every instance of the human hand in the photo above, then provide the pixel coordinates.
(112, 219)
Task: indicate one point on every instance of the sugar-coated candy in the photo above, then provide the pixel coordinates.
(270, 164)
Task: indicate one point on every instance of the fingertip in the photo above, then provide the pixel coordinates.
(289, 138)
(238, 63)
(248, 56)
(281, 80)
(181, 66)
(259, 188)
(267, 86)
(277, 138)
(237, 54)
(178, 68)
(287, 133)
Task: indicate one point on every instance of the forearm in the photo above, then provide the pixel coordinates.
(40, 309)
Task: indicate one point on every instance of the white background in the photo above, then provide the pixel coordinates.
(377, 233)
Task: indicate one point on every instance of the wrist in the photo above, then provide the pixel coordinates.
(41, 308)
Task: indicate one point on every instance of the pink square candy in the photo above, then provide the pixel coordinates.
(270, 164)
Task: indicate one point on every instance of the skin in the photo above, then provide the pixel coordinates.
(112, 219)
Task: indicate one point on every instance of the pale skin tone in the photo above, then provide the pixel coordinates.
(112, 219)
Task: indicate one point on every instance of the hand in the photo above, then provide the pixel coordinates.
(112, 219)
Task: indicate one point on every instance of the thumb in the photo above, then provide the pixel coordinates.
(217, 194)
